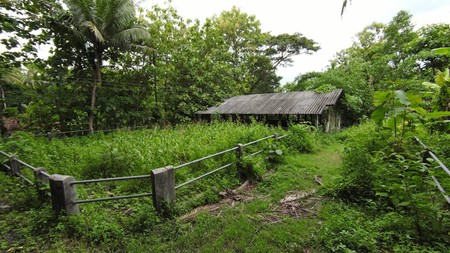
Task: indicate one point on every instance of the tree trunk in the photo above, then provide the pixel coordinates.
(2, 92)
(97, 81)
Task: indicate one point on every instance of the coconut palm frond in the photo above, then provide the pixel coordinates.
(14, 77)
(129, 36)
(20, 77)
(119, 16)
(94, 29)
(81, 10)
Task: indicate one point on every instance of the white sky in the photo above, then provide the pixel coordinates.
(319, 20)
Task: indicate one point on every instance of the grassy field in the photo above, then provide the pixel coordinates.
(286, 207)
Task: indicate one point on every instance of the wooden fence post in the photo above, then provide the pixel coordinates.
(15, 165)
(63, 194)
(239, 166)
(163, 189)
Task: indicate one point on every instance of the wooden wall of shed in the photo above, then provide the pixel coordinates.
(331, 119)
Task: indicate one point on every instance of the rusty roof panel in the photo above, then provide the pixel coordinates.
(306, 102)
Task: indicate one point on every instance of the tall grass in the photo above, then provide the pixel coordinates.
(131, 225)
(126, 153)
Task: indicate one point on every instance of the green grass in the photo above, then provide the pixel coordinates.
(255, 219)
(255, 224)
(299, 170)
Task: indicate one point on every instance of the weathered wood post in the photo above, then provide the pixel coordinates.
(163, 189)
(14, 165)
(63, 194)
(239, 165)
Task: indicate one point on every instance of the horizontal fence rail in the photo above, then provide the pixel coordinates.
(441, 189)
(44, 173)
(205, 175)
(91, 181)
(26, 164)
(240, 157)
(25, 179)
(101, 180)
(442, 165)
(5, 154)
(205, 158)
(262, 139)
(433, 156)
(14, 167)
(112, 198)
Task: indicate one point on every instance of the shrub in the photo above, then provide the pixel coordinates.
(301, 138)
(356, 181)
(345, 229)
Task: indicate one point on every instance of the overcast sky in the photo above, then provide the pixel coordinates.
(319, 20)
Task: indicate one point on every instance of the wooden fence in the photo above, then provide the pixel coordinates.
(63, 191)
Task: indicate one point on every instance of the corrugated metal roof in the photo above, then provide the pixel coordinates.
(305, 102)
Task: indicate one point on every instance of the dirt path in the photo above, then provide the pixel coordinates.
(292, 187)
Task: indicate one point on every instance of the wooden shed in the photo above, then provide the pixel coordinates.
(320, 109)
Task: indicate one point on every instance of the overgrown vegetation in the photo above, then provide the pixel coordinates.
(387, 179)
(368, 208)
(160, 67)
(368, 188)
(125, 225)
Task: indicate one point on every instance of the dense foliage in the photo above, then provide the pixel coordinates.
(388, 193)
(113, 65)
(383, 57)
(126, 153)
(121, 226)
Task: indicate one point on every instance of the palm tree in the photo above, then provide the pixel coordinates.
(102, 24)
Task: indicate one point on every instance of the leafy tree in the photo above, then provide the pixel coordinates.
(263, 78)
(281, 48)
(102, 25)
(26, 24)
(431, 37)
(185, 66)
(383, 57)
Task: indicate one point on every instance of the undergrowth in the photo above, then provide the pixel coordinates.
(339, 205)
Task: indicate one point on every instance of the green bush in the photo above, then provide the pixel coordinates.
(348, 228)
(301, 138)
(356, 181)
(376, 171)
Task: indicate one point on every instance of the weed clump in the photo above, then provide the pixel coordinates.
(301, 138)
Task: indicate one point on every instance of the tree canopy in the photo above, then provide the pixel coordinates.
(390, 56)
(112, 64)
